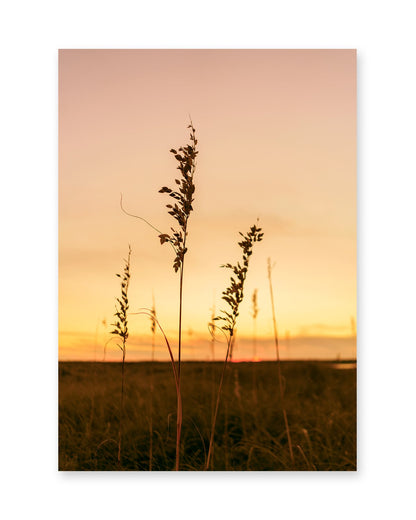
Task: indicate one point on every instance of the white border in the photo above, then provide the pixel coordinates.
(383, 33)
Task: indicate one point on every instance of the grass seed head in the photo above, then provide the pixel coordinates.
(181, 208)
(234, 294)
(255, 306)
(122, 305)
(153, 318)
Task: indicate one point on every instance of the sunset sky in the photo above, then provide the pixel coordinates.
(276, 136)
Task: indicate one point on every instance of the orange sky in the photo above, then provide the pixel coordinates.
(277, 140)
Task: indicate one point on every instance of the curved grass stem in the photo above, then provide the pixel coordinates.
(175, 374)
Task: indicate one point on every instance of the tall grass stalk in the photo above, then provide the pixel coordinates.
(211, 327)
(276, 341)
(152, 376)
(255, 311)
(121, 330)
(180, 211)
(233, 296)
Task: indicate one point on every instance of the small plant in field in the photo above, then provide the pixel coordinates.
(255, 311)
(233, 296)
(211, 328)
(276, 341)
(153, 330)
(180, 209)
(121, 330)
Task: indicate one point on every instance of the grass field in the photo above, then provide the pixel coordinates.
(320, 400)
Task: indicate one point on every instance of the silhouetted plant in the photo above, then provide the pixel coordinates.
(180, 211)
(254, 313)
(211, 328)
(121, 330)
(233, 295)
(153, 330)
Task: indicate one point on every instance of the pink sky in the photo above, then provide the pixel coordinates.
(277, 140)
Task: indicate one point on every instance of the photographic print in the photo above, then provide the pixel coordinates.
(207, 260)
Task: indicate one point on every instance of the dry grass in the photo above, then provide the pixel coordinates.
(321, 404)
(233, 296)
(121, 331)
(181, 210)
(152, 381)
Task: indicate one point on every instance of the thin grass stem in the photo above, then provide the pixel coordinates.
(217, 405)
(279, 371)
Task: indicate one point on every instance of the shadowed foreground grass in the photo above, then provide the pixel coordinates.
(250, 432)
